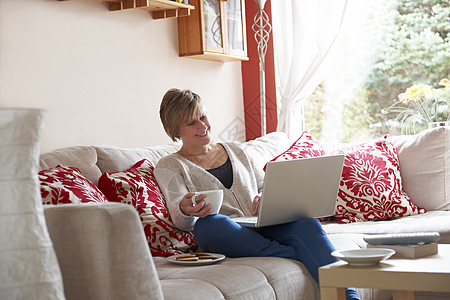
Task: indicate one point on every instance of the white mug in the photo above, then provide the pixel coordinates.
(213, 197)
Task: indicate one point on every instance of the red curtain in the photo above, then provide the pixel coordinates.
(250, 79)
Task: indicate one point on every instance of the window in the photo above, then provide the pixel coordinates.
(384, 48)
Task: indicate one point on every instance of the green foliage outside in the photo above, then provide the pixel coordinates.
(313, 114)
(417, 50)
(357, 112)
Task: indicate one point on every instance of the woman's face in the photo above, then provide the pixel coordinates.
(195, 132)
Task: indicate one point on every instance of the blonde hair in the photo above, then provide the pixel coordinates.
(176, 105)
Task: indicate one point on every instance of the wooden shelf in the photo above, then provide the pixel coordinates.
(160, 9)
(199, 37)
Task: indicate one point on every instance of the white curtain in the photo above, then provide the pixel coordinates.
(304, 33)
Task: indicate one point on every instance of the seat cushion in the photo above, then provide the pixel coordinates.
(240, 278)
(430, 221)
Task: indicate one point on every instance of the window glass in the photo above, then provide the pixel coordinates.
(234, 23)
(213, 29)
(385, 47)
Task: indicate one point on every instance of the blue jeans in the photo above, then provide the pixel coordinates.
(303, 240)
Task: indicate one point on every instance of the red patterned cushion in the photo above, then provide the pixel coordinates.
(62, 184)
(137, 186)
(305, 146)
(370, 187)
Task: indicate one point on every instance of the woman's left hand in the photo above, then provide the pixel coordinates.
(255, 205)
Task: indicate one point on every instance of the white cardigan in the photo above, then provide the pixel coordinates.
(177, 176)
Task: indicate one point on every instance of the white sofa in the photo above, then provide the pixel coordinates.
(103, 252)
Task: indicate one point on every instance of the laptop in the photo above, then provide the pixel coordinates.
(298, 188)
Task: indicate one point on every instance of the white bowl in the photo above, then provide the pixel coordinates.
(363, 257)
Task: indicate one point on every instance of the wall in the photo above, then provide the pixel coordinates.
(101, 75)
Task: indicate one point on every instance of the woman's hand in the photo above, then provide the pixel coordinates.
(198, 210)
(255, 205)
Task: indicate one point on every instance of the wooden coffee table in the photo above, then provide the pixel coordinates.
(401, 275)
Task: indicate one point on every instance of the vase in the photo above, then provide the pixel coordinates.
(438, 124)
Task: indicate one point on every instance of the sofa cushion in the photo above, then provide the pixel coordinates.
(430, 221)
(347, 241)
(240, 278)
(137, 186)
(370, 187)
(305, 146)
(62, 184)
(425, 167)
(115, 159)
(263, 149)
(82, 157)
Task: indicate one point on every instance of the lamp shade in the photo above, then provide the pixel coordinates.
(28, 265)
(261, 3)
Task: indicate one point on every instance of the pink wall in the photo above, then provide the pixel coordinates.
(101, 74)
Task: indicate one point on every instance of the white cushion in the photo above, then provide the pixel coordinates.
(29, 267)
(266, 147)
(425, 167)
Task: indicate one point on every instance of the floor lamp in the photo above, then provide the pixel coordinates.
(261, 27)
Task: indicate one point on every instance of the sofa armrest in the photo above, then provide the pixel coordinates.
(102, 252)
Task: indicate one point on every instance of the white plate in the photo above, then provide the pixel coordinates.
(173, 259)
(363, 257)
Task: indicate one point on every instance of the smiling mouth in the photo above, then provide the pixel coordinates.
(202, 135)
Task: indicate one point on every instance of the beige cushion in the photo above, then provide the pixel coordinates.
(425, 167)
(81, 157)
(116, 159)
(430, 221)
(246, 278)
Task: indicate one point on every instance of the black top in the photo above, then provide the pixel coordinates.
(224, 173)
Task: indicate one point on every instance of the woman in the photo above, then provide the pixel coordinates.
(201, 165)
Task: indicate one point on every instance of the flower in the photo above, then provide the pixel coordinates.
(422, 104)
(416, 93)
(444, 82)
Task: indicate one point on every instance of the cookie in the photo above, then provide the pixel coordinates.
(210, 256)
(187, 258)
(197, 256)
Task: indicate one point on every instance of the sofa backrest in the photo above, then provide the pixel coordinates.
(81, 157)
(93, 161)
(424, 161)
(114, 159)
